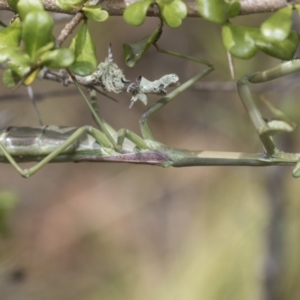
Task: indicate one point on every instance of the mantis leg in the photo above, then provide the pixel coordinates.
(122, 133)
(101, 123)
(99, 136)
(264, 129)
(145, 129)
(137, 140)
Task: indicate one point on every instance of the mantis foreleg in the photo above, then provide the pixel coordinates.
(122, 133)
(146, 132)
(265, 129)
(97, 118)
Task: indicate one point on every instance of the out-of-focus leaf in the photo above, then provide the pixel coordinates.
(36, 33)
(278, 27)
(238, 41)
(59, 58)
(213, 10)
(173, 13)
(85, 54)
(27, 6)
(284, 50)
(13, 4)
(243, 42)
(135, 13)
(19, 69)
(11, 35)
(8, 201)
(32, 76)
(95, 13)
(68, 5)
(10, 78)
(44, 49)
(234, 8)
(134, 52)
(298, 8)
(13, 54)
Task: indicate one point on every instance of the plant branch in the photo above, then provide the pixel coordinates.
(116, 7)
(172, 157)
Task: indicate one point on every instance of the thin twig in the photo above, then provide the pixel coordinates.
(231, 66)
(68, 29)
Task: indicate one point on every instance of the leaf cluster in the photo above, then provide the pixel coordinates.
(27, 45)
(274, 37)
(33, 30)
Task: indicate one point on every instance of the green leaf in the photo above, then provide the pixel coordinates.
(234, 9)
(68, 5)
(242, 42)
(27, 6)
(10, 78)
(85, 54)
(11, 35)
(8, 201)
(37, 28)
(44, 49)
(284, 50)
(19, 69)
(238, 41)
(15, 55)
(95, 13)
(213, 10)
(165, 1)
(59, 58)
(173, 13)
(135, 13)
(13, 4)
(278, 27)
(134, 52)
(298, 8)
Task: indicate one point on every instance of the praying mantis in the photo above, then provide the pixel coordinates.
(61, 144)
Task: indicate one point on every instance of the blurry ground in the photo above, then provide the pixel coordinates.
(117, 231)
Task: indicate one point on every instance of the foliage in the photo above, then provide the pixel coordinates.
(33, 28)
(274, 37)
(8, 201)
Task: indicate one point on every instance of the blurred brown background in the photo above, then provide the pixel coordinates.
(118, 231)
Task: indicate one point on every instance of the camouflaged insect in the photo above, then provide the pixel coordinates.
(109, 76)
(143, 86)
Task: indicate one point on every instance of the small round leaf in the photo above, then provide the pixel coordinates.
(234, 8)
(135, 13)
(277, 28)
(68, 5)
(213, 10)
(59, 58)
(238, 41)
(174, 13)
(95, 13)
(27, 6)
(284, 50)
